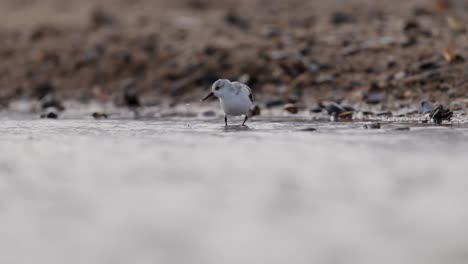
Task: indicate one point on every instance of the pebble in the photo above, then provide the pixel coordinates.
(255, 111)
(131, 98)
(425, 66)
(98, 115)
(411, 25)
(291, 108)
(50, 115)
(100, 18)
(308, 129)
(440, 114)
(372, 126)
(402, 129)
(340, 17)
(334, 108)
(235, 19)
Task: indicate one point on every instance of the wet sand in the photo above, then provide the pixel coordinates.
(190, 191)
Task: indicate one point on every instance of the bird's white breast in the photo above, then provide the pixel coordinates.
(236, 103)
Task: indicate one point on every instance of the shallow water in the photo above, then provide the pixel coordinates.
(191, 191)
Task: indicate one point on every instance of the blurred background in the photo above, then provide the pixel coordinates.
(394, 53)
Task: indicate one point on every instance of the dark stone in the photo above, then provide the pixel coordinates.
(98, 115)
(210, 50)
(457, 59)
(291, 108)
(402, 129)
(131, 98)
(308, 129)
(50, 115)
(43, 89)
(100, 18)
(411, 25)
(255, 111)
(340, 17)
(334, 108)
(428, 66)
(234, 19)
(440, 114)
(372, 126)
(391, 64)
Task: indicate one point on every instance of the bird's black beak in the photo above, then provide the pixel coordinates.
(208, 96)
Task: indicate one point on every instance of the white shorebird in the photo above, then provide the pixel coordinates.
(235, 98)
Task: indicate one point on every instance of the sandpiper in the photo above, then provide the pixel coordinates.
(235, 98)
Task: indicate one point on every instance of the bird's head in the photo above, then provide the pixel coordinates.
(220, 88)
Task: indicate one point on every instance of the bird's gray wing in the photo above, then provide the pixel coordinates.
(239, 87)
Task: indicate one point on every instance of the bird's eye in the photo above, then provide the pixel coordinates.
(216, 88)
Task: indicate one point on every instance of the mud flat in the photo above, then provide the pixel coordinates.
(189, 191)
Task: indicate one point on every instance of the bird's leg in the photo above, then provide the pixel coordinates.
(245, 120)
(225, 120)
